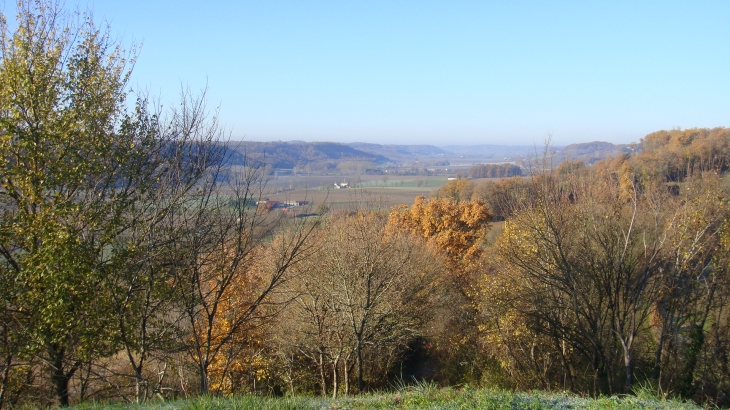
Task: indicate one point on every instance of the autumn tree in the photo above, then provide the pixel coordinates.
(504, 196)
(495, 171)
(693, 283)
(313, 326)
(676, 154)
(615, 270)
(588, 273)
(584, 260)
(456, 230)
(230, 266)
(361, 298)
(384, 282)
(570, 167)
(458, 190)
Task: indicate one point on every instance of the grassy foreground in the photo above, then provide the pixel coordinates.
(416, 398)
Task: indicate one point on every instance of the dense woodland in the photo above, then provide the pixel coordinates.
(495, 171)
(301, 155)
(134, 265)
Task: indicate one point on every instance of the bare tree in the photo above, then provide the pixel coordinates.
(693, 281)
(313, 326)
(232, 261)
(587, 251)
(380, 283)
(188, 145)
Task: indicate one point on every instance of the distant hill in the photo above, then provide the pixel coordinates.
(493, 152)
(290, 154)
(401, 152)
(591, 152)
(588, 152)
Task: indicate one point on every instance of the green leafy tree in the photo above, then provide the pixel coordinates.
(59, 103)
(80, 181)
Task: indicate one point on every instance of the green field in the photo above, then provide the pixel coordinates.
(423, 396)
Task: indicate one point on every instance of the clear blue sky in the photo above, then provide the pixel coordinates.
(449, 72)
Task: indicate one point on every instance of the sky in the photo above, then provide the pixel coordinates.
(427, 72)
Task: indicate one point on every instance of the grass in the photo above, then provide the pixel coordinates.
(415, 396)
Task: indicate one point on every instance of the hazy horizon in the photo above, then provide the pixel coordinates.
(541, 143)
(438, 73)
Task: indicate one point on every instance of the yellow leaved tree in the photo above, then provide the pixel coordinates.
(456, 230)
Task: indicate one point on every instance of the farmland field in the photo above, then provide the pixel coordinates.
(371, 191)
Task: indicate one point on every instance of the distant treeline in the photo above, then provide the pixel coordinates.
(495, 171)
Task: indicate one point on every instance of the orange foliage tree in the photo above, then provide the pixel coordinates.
(458, 189)
(454, 228)
(234, 333)
(457, 230)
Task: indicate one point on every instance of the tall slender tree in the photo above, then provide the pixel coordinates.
(79, 173)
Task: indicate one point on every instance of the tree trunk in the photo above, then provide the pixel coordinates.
(290, 372)
(335, 377)
(628, 361)
(657, 372)
(60, 382)
(627, 344)
(203, 369)
(686, 378)
(601, 382)
(360, 383)
(348, 369)
(59, 378)
(4, 381)
(567, 373)
(322, 374)
(138, 384)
